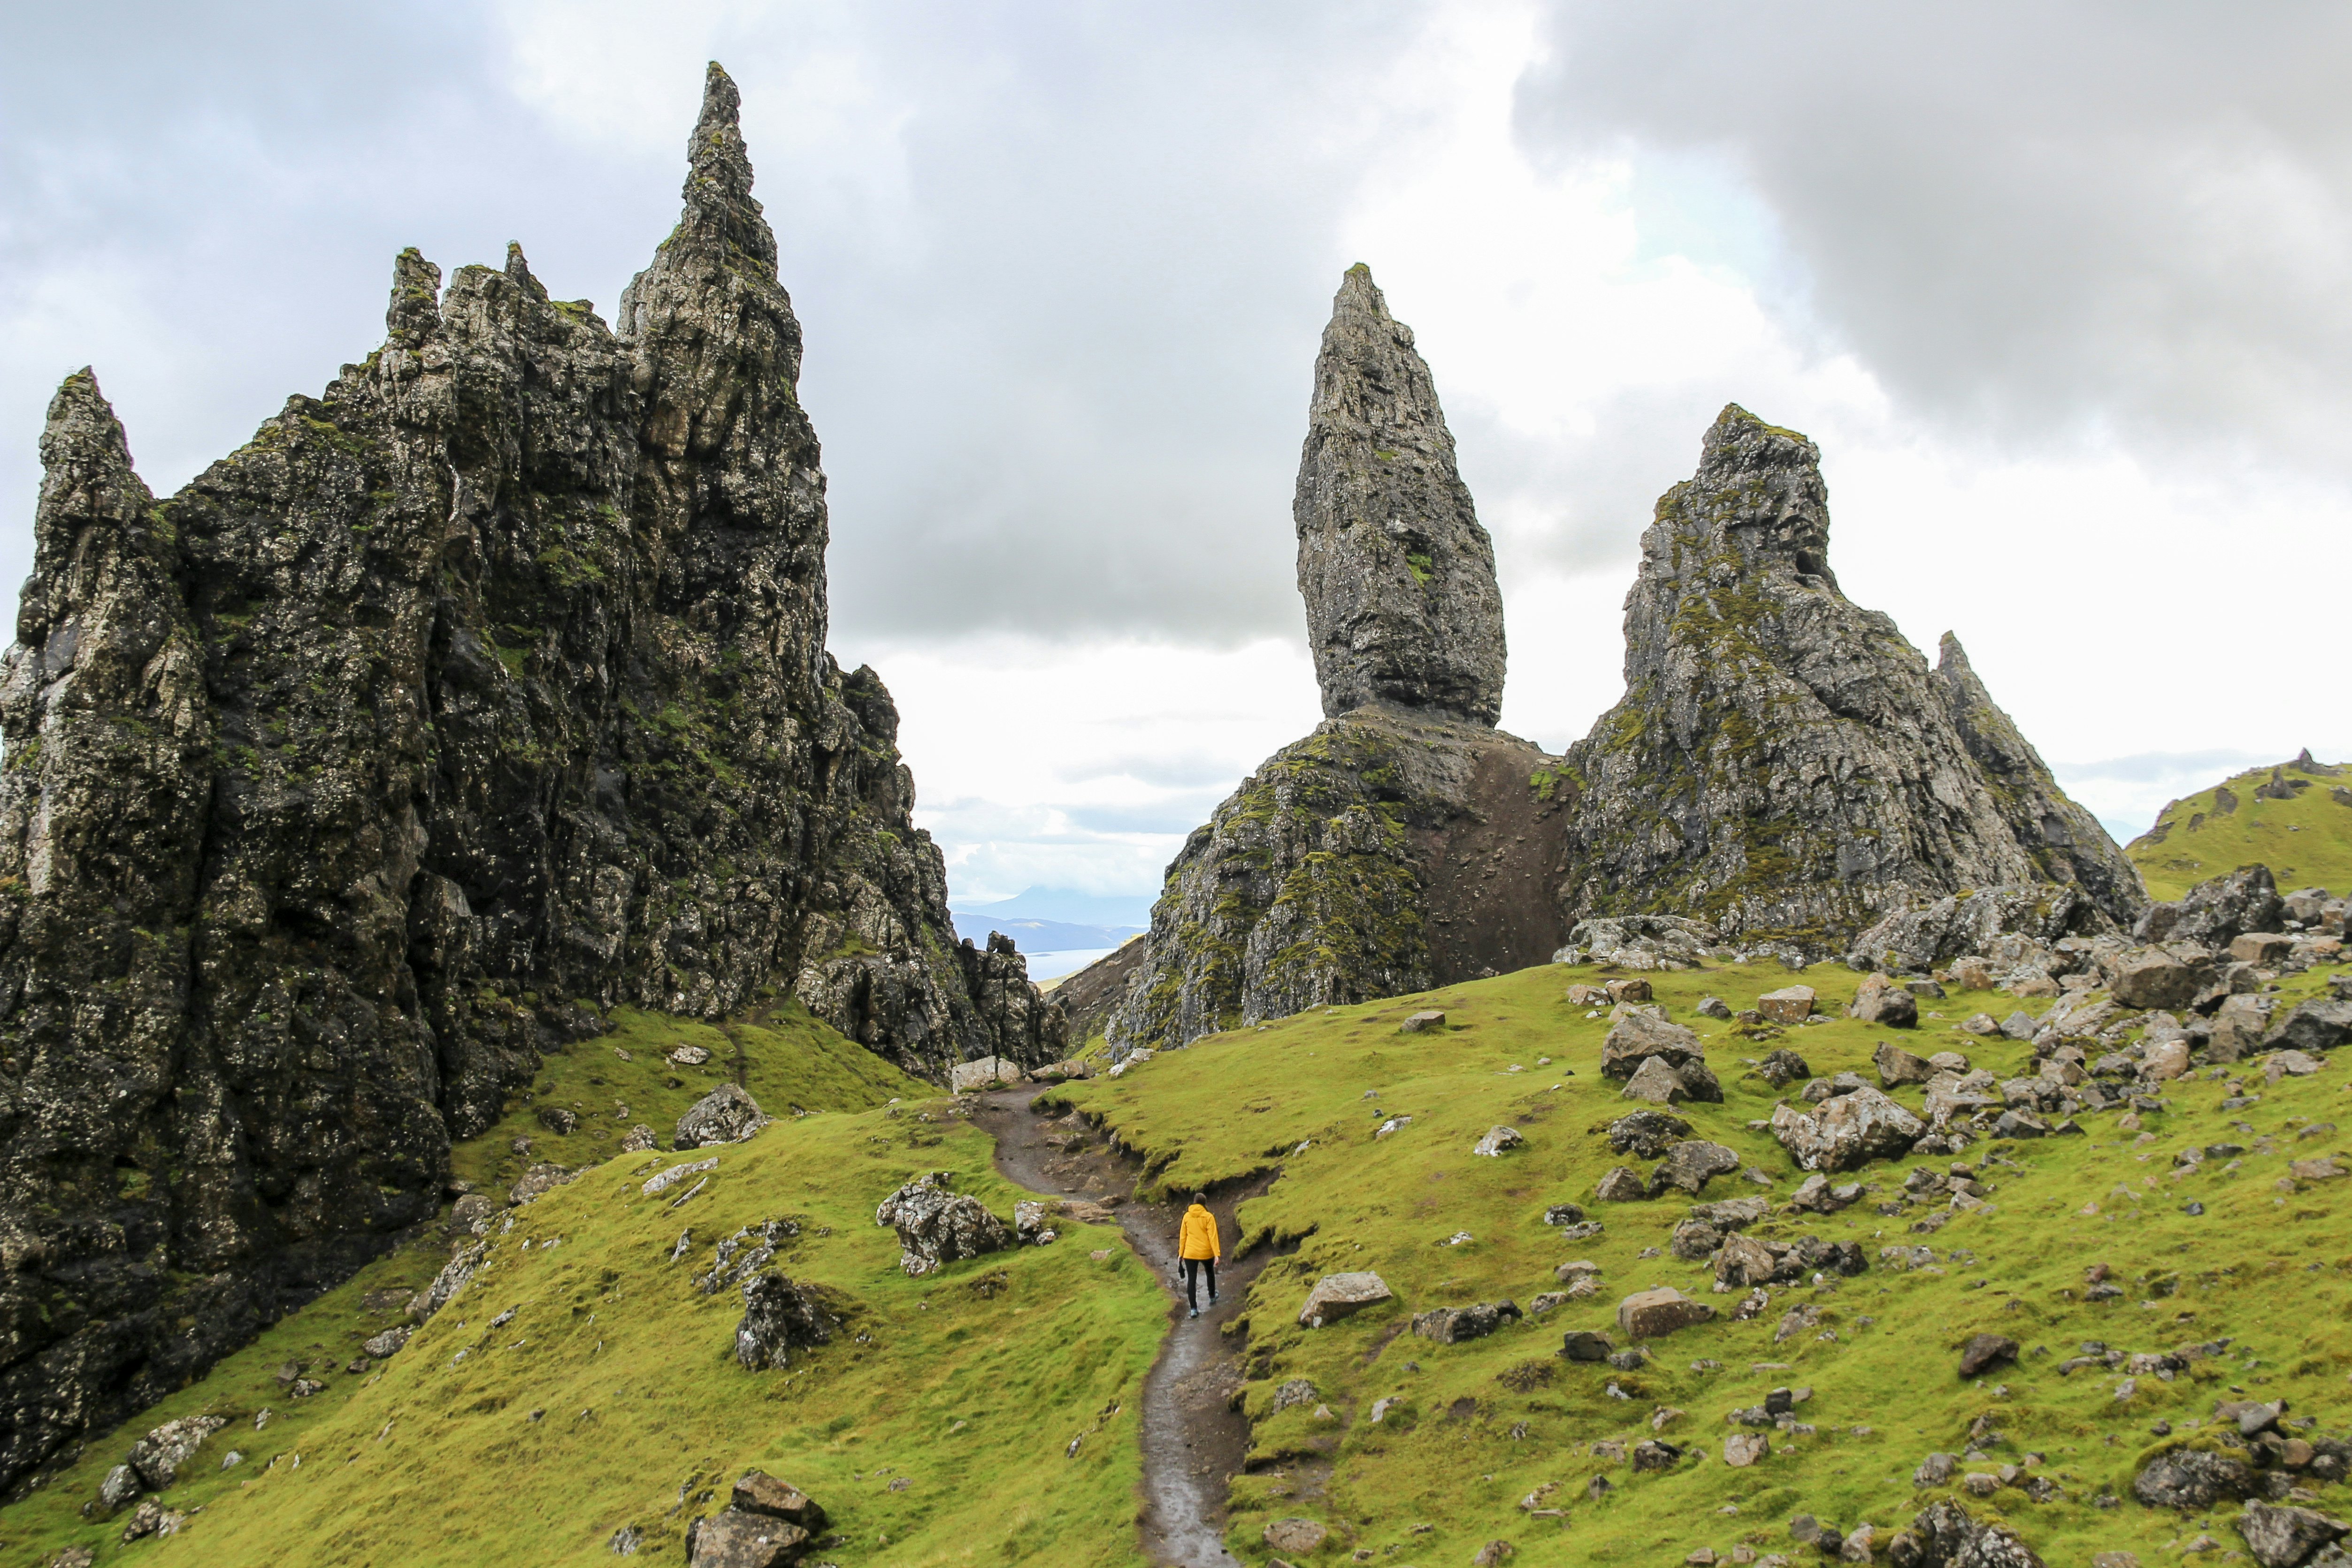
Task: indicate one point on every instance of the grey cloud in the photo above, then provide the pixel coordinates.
(2036, 220)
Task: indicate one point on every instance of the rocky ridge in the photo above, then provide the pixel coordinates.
(483, 691)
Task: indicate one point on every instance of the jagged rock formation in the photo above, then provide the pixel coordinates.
(1398, 577)
(1784, 764)
(1406, 842)
(488, 688)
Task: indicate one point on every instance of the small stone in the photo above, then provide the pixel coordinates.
(1498, 1139)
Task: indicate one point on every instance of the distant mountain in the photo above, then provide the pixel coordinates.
(1055, 919)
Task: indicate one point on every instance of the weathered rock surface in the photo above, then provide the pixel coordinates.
(1337, 1296)
(2287, 1537)
(1783, 765)
(1846, 1131)
(2189, 1478)
(936, 1225)
(728, 1115)
(499, 670)
(1398, 576)
(1451, 1325)
(1943, 1536)
(2217, 911)
(1646, 1314)
(782, 1315)
(1638, 1038)
(767, 1523)
(1389, 851)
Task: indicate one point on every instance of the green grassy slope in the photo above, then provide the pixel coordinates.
(935, 1431)
(2306, 841)
(2264, 1266)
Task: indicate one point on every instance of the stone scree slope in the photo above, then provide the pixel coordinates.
(1783, 765)
(1406, 842)
(493, 677)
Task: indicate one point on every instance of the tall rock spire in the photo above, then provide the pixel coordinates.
(1783, 762)
(1398, 577)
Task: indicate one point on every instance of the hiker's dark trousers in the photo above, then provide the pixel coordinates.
(1195, 1268)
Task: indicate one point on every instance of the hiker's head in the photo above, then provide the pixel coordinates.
(1201, 1199)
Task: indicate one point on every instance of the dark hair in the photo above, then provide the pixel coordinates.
(1201, 1197)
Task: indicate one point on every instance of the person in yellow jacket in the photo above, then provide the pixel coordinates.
(1197, 1246)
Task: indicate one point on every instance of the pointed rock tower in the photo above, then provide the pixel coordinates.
(484, 692)
(1407, 842)
(1783, 765)
(1398, 577)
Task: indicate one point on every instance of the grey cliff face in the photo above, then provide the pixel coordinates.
(1783, 763)
(493, 676)
(1398, 576)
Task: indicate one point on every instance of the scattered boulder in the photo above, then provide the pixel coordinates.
(1816, 1195)
(1655, 1082)
(538, 1182)
(1788, 1005)
(936, 1225)
(728, 1115)
(1582, 1344)
(1337, 1296)
(1713, 1008)
(121, 1486)
(1646, 1134)
(1421, 1023)
(1451, 1325)
(1882, 1001)
(1984, 1351)
(1638, 1038)
(2288, 1537)
(638, 1139)
(1959, 929)
(747, 1534)
(1848, 1130)
(2192, 1478)
(661, 1182)
(1782, 1068)
(1640, 942)
(1742, 1450)
(158, 1456)
(1301, 1537)
(1497, 1139)
(1897, 1066)
(387, 1342)
(1647, 1314)
(1622, 1185)
(1943, 1536)
(690, 1055)
(781, 1316)
(2172, 975)
(1689, 1164)
(982, 1072)
(1652, 1453)
(1630, 990)
(453, 1276)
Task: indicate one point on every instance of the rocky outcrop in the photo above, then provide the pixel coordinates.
(1973, 922)
(1398, 576)
(1387, 852)
(937, 1226)
(493, 676)
(1783, 765)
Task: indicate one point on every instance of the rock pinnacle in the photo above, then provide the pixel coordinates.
(1398, 577)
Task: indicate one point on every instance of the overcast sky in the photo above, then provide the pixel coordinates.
(2059, 289)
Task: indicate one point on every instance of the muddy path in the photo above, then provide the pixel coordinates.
(1193, 1439)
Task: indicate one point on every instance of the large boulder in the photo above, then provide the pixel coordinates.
(1646, 1133)
(1337, 1296)
(779, 1316)
(1638, 1038)
(936, 1225)
(1690, 1165)
(2171, 976)
(1655, 1083)
(767, 1523)
(1897, 1066)
(728, 1115)
(2216, 912)
(2313, 1025)
(1884, 1002)
(984, 1072)
(1846, 1131)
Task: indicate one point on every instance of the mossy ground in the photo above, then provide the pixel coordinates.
(2265, 1267)
(612, 1397)
(2306, 841)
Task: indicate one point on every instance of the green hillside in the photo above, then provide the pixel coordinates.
(934, 1431)
(1483, 1424)
(2306, 841)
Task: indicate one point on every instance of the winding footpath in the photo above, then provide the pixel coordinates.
(1193, 1440)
